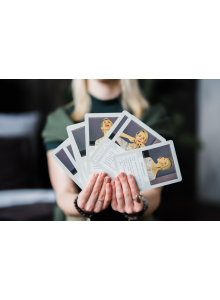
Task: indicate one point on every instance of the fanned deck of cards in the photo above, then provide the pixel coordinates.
(114, 143)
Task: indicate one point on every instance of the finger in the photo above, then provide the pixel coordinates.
(108, 195)
(129, 205)
(135, 191)
(114, 201)
(95, 192)
(119, 196)
(101, 198)
(86, 192)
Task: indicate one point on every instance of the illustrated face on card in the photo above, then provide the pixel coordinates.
(98, 128)
(130, 134)
(103, 144)
(159, 164)
(135, 136)
(152, 166)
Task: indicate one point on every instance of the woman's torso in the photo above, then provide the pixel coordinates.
(107, 106)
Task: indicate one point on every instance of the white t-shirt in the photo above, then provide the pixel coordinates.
(125, 145)
(148, 162)
(97, 142)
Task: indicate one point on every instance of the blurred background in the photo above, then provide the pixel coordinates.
(193, 106)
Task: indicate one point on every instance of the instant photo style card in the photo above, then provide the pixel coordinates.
(64, 156)
(103, 145)
(76, 134)
(67, 145)
(97, 126)
(130, 135)
(152, 166)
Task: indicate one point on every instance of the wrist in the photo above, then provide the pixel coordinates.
(81, 211)
(133, 217)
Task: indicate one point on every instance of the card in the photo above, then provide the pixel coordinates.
(152, 166)
(132, 134)
(69, 148)
(103, 145)
(65, 157)
(78, 142)
(96, 127)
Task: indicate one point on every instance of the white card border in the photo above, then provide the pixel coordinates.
(75, 148)
(173, 151)
(73, 177)
(130, 118)
(66, 143)
(105, 139)
(87, 117)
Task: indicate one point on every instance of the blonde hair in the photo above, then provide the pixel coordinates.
(167, 166)
(131, 98)
(163, 168)
(146, 134)
(105, 120)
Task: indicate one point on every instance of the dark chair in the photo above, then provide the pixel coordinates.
(22, 192)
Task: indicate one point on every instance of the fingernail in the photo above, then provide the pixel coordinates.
(116, 179)
(130, 176)
(103, 174)
(107, 179)
(112, 183)
(122, 175)
(95, 174)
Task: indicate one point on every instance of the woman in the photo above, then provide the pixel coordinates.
(105, 126)
(139, 141)
(152, 168)
(108, 201)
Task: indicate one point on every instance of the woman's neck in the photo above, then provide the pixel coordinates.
(158, 165)
(155, 167)
(104, 89)
(105, 132)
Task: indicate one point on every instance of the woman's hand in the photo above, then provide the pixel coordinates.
(97, 188)
(124, 190)
(131, 139)
(127, 136)
(142, 145)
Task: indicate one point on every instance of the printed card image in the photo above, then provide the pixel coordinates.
(69, 148)
(64, 156)
(135, 136)
(132, 135)
(61, 155)
(98, 128)
(103, 145)
(159, 164)
(124, 119)
(151, 166)
(79, 136)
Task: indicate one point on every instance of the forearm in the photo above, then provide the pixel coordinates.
(124, 135)
(153, 196)
(65, 202)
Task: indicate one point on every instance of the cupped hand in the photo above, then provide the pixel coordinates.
(132, 139)
(97, 194)
(124, 190)
(141, 145)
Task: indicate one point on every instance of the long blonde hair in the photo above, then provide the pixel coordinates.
(163, 168)
(132, 98)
